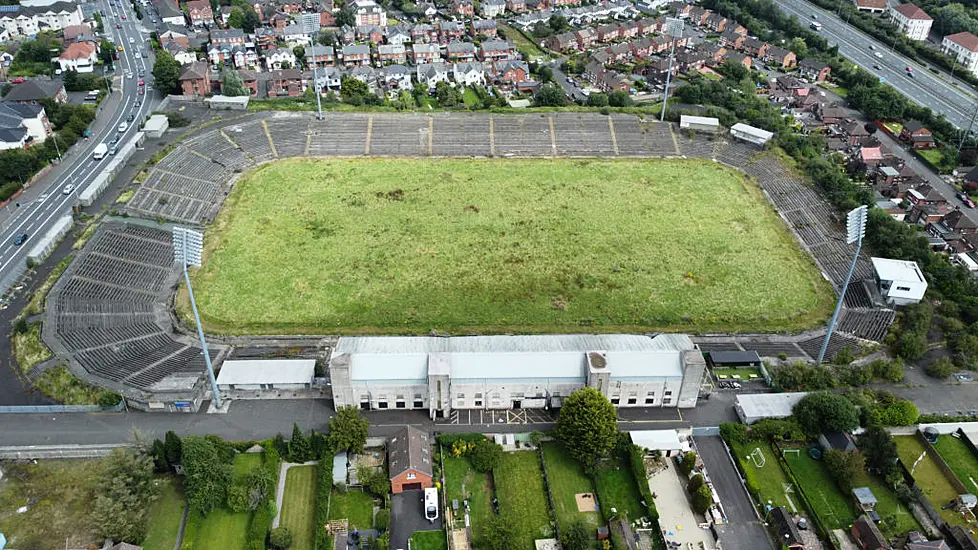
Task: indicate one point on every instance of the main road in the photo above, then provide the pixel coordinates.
(942, 93)
(46, 201)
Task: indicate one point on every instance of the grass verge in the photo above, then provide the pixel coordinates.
(125, 196)
(463, 482)
(165, 516)
(496, 246)
(36, 303)
(355, 506)
(962, 461)
(429, 540)
(59, 384)
(299, 506)
(566, 481)
(28, 348)
(519, 488)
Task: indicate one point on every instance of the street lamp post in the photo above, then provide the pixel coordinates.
(674, 29)
(855, 229)
(187, 248)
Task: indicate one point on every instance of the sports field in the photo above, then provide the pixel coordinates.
(461, 246)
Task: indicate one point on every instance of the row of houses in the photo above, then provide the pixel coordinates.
(582, 16)
(20, 20)
(198, 79)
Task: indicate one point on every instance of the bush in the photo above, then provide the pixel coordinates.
(642, 478)
(702, 499)
(382, 520)
(324, 484)
(280, 538)
(447, 440)
(823, 411)
(258, 528)
(687, 463)
(695, 483)
(940, 369)
(734, 432)
(237, 499)
(485, 456)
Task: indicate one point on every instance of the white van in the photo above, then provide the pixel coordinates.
(431, 504)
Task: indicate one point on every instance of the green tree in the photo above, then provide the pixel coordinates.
(446, 95)
(206, 476)
(499, 533)
(299, 448)
(485, 456)
(799, 46)
(231, 84)
(353, 91)
(545, 73)
(300, 55)
(702, 499)
(166, 72)
(345, 17)
(348, 430)
(251, 22)
(159, 457)
(826, 412)
(558, 23)
(940, 368)
(844, 466)
(577, 536)
(257, 484)
(236, 18)
(173, 447)
(695, 483)
(597, 99)
(123, 492)
(550, 95)
(688, 463)
(280, 538)
(105, 52)
(541, 30)
(587, 426)
(619, 98)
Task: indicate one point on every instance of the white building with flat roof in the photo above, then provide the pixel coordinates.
(699, 123)
(266, 374)
(668, 442)
(753, 407)
(750, 134)
(900, 282)
(963, 47)
(513, 372)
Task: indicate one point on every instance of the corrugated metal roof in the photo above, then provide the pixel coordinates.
(503, 343)
(387, 366)
(267, 371)
(768, 405)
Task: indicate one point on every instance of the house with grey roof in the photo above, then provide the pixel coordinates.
(430, 74)
(409, 460)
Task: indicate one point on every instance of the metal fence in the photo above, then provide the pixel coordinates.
(44, 409)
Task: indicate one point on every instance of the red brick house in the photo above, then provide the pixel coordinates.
(867, 535)
(607, 33)
(756, 47)
(512, 72)
(814, 70)
(781, 57)
(200, 13)
(463, 8)
(409, 460)
(957, 222)
(285, 82)
(516, 6)
(250, 81)
(195, 78)
(920, 137)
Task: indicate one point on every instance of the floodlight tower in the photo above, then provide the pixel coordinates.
(855, 229)
(187, 247)
(674, 29)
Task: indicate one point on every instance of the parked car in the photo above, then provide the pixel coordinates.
(965, 199)
(18, 80)
(20, 239)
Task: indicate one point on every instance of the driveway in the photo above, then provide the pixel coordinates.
(407, 516)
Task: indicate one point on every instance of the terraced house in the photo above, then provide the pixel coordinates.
(29, 20)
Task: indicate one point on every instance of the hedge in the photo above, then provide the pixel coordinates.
(324, 485)
(446, 440)
(642, 479)
(262, 518)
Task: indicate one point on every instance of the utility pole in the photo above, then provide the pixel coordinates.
(674, 29)
(964, 136)
(855, 229)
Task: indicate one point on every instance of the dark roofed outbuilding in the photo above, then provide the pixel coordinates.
(748, 358)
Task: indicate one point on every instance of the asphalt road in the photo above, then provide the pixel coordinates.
(572, 91)
(45, 201)
(943, 94)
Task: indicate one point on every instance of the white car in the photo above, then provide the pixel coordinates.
(69, 189)
(129, 74)
(132, 40)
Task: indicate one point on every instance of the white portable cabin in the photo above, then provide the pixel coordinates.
(900, 282)
(750, 134)
(705, 124)
(431, 504)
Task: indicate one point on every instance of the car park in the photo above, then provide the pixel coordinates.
(21, 239)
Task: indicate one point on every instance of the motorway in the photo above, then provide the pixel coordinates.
(45, 201)
(955, 101)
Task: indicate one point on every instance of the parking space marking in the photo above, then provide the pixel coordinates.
(271, 143)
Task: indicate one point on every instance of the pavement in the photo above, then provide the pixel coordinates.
(744, 531)
(941, 92)
(407, 516)
(678, 519)
(44, 203)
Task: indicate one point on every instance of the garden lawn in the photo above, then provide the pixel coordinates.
(355, 506)
(470, 98)
(63, 493)
(616, 488)
(896, 518)
(962, 461)
(222, 524)
(299, 506)
(165, 516)
(831, 505)
(522, 42)
(461, 482)
(567, 480)
(522, 497)
(428, 540)
(929, 477)
(502, 245)
(767, 483)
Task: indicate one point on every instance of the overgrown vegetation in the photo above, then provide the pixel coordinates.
(26, 344)
(59, 384)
